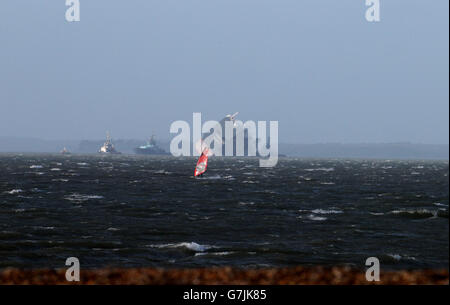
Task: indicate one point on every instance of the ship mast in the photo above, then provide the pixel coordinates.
(152, 139)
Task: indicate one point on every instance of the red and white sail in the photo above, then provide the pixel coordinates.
(203, 145)
(202, 163)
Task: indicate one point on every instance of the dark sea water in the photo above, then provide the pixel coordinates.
(139, 211)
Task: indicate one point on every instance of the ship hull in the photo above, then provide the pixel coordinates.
(141, 151)
(109, 152)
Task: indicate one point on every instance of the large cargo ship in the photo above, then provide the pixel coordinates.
(151, 148)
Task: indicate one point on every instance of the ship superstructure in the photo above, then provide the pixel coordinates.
(108, 146)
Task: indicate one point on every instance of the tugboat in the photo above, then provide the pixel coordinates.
(151, 148)
(108, 147)
(65, 151)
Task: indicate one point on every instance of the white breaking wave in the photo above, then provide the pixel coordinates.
(246, 203)
(320, 211)
(399, 257)
(14, 191)
(440, 204)
(214, 253)
(214, 177)
(81, 198)
(36, 166)
(162, 172)
(417, 212)
(330, 169)
(193, 246)
(316, 218)
(43, 228)
(60, 180)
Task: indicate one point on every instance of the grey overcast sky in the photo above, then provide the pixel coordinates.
(316, 66)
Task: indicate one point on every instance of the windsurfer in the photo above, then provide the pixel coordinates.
(201, 164)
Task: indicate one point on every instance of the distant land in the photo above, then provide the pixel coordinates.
(325, 150)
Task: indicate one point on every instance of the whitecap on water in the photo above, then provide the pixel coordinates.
(162, 172)
(399, 257)
(321, 211)
(36, 166)
(60, 180)
(417, 213)
(213, 177)
(246, 203)
(325, 169)
(440, 204)
(43, 228)
(82, 198)
(214, 253)
(269, 191)
(193, 246)
(316, 218)
(14, 191)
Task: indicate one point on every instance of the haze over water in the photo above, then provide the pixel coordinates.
(317, 67)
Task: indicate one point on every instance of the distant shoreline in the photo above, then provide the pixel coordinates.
(398, 151)
(77, 154)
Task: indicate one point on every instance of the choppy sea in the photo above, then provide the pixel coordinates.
(145, 211)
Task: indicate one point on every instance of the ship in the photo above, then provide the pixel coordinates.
(108, 146)
(64, 151)
(151, 148)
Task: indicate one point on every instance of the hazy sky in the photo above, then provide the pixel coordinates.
(318, 67)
